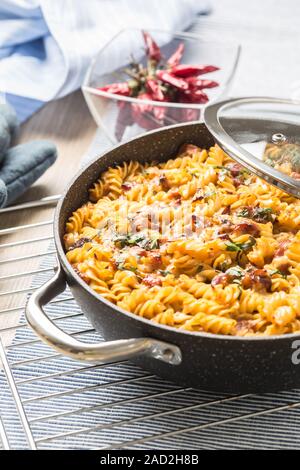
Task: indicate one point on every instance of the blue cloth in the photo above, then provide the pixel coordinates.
(47, 45)
(8, 128)
(22, 165)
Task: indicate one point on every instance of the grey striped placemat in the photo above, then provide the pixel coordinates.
(74, 406)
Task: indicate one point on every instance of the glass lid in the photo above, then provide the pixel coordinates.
(263, 135)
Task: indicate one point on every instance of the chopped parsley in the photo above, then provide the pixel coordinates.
(265, 214)
(235, 246)
(164, 272)
(245, 212)
(138, 239)
(235, 272)
(277, 271)
(261, 215)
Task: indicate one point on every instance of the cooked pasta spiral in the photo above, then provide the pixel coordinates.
(195, 243)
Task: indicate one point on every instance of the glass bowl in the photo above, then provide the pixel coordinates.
(114, 113)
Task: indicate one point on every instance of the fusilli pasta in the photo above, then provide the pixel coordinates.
(196, 243)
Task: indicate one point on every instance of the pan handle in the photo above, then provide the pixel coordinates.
(102, 353)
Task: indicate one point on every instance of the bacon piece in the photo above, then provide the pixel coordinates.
(163, 181)
(174, 194)
(284, 268)
(246, 227)
(152, 280)
(126, 186)
(257, 279)
(282, 247)
(220, 279)
(237, 182)
(224, 236)
(199, 195)
(140, 251)
(235, 169)
(155, 259)
(80, 243)
(226, 210)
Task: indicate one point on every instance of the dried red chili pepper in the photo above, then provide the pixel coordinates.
(175, 115)
(124, 119)
(152, 49)
(200, 84)
(167, 77)
(159, 113)
(200, 97)
(192, 70)
(142, 114)
(166, 81)
(117, 89)
(155, 90)
(145, 106)
(177, 56)
(193, 96)
(190, 114)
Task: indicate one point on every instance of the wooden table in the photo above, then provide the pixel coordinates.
(68, 124)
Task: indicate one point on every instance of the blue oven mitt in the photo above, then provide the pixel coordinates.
(22, 165)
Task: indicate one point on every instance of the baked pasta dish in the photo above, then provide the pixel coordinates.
(196, 243)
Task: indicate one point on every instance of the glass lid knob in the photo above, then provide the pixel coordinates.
(278, 138)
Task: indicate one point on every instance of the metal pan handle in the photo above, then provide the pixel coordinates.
(102, 353)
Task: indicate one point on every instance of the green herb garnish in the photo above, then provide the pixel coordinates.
(259, 214)
(245, 212)
(263, 214)
(232, 246)
(138, 239)
(277, 271)
(164, 272)
(153, 242)
(235, 272)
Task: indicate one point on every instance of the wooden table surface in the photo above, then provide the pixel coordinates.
(68, 124)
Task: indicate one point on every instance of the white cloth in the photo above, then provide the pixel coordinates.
(46, 45)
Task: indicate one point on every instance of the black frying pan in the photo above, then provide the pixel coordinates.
(207, 361)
